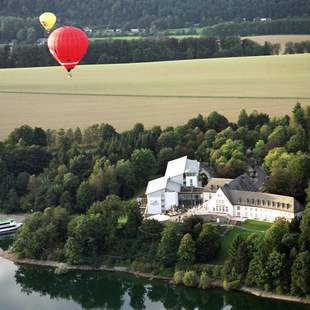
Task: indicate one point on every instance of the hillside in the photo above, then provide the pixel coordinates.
(156, 13)
(163, 93)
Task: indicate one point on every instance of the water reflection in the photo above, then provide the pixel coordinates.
(29, 288)
(94, 290)
(91, 290)
(5, 241)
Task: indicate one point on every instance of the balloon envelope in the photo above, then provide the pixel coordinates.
(68, 45)
(48, 20)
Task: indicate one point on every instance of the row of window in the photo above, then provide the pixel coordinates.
(220, 208)
(258, 214)
(264, 203)
(189, 197)
(257, 210)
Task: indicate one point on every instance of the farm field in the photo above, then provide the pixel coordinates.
(162, 93)
(281, 39)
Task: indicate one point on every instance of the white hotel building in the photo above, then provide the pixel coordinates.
(234, 198)
(163, 193)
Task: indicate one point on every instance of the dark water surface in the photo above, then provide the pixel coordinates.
(36, 288)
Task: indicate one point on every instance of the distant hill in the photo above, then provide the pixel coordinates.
(157, 13)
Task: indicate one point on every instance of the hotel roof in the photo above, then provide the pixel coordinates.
(180, 166)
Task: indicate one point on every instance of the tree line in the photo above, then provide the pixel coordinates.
(162, 14)
(297, 47)
(277, 261)
(127, 51)
(18, 30)
(300, 25)
(74, 168)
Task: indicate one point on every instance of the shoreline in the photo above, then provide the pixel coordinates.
(54, 264)
(215, 284)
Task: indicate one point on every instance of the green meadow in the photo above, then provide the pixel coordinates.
(158, 93)
(244, 230)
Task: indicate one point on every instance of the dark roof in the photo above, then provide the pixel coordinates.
(215, 183)
(242, 183)
(226, 190)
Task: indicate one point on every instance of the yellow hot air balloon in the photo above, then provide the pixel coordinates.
(48, 20)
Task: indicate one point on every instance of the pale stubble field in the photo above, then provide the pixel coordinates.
(162, 93)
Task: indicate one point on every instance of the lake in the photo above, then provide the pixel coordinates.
(29, 288)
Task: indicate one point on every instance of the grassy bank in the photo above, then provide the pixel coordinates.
(244, 230)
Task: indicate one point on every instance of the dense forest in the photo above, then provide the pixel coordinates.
(80, 184)
(127, 51)
(269, 27)
(16, 30)
(19, 19)
(73, 168)
(157, 13)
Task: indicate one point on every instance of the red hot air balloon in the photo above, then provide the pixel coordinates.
(68, 45)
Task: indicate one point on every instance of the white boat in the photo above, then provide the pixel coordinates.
(9, 227)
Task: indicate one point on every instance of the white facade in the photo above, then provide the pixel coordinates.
(268, 208)
(220, 204)
(154, 201)
(177, 179)
(221, 207)
(212, 187)
(164, 197)
(191, 180)
(206, 196)
(163, 193)
(171, 200)
(162, 201)
(262, 214)
(236, 198)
